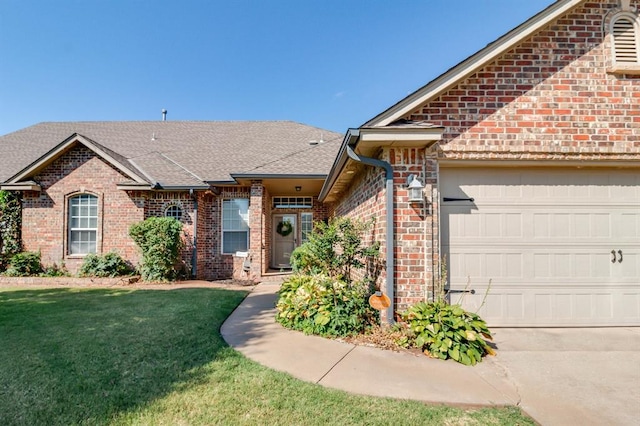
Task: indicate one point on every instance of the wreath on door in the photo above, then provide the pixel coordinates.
(284, 228)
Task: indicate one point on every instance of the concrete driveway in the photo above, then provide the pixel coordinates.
(573, 376)
(558, 376)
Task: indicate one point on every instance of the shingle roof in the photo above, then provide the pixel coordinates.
(184, 153)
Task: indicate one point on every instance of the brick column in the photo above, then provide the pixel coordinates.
(413, 236)
(257, 228)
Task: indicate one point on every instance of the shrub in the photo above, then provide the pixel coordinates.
(109, 265)
(160, 240)
(321, 305)
(448, 331)
(55, 271)
(335, 249)
(10, 223)
(24, 264)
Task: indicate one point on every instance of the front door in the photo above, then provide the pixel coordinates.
(284, 240)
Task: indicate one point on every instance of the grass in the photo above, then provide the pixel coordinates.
(78, 356)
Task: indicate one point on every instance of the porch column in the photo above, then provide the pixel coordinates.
(257, 225)
(413, 244)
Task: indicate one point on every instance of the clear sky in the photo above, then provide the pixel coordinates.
(333, 64)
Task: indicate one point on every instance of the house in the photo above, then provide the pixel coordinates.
(527, 154)
(236, 187)
(512, 181)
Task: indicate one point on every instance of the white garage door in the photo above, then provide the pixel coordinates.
(543, 247)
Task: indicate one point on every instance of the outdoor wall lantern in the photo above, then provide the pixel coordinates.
(415, 189)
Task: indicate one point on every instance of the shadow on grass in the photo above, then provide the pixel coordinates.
(85, 356)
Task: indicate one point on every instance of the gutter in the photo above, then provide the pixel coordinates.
(354, 134)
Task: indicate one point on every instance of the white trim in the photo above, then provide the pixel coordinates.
(223, 230)
(46, 159)
(472, 64)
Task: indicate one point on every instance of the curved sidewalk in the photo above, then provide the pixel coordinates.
(252, 330)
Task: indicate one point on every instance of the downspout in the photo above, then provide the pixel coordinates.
(194, 254)
(390, 235)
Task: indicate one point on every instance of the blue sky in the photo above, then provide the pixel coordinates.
(333, 64)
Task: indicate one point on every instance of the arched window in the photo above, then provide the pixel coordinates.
(83, 224)
(173, 211)
(625, 33)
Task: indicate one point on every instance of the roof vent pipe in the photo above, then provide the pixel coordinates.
(164, 114)
(390, 234)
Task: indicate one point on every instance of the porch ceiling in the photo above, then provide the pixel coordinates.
(309, 187)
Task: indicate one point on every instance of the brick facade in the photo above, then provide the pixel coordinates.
(548, 98)
(44, 214)
(81, 171)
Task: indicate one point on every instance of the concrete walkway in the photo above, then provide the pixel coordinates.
(554, 386)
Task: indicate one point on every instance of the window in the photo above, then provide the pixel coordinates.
(306, 225)
(235, 225)
(625, 33)
(173, 211)
(292, 202)
(83, 224)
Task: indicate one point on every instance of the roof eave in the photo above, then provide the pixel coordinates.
(59, 150)
(472, 64)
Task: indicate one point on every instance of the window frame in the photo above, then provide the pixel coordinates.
(94, 202)
(302, 226)
(224, 224)
(171, 207)
(625, 67)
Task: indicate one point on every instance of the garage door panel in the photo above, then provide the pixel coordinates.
(534, 306)
(543, 239)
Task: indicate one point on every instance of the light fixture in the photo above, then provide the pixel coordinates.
(415, 189)
(298, 188)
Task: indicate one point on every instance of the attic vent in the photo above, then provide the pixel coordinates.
(625, 41)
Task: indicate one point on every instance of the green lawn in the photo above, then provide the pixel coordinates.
(78, 356)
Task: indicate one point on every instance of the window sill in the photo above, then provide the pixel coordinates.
(624, 69)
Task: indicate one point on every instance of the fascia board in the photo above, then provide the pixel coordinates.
(54, 153)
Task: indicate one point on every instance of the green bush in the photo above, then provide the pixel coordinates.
(55, 271)
(160, 240)
(335, 249)
(447, 331)
(324, 306)
(24, 264)
(109, 265)
(10, 224)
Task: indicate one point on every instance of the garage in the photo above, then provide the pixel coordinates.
(543, 246)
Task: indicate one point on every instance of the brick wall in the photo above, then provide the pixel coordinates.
(212, 264)
(157, 203)
(548, 98)
(44, 213)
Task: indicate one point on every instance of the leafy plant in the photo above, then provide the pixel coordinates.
(447, 331)
(10, 224)
(109, 265)
(335, 249)
(55, 271)
(320, 305)
(24, 264)
(160, 240)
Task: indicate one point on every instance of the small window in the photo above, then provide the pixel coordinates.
(83, 224)
(625, 33)
(235, 225)
(173, 211)
(306, 225)
(292, 202)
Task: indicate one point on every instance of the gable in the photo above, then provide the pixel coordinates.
(62, 149)
(472, 64)
(550, 94)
